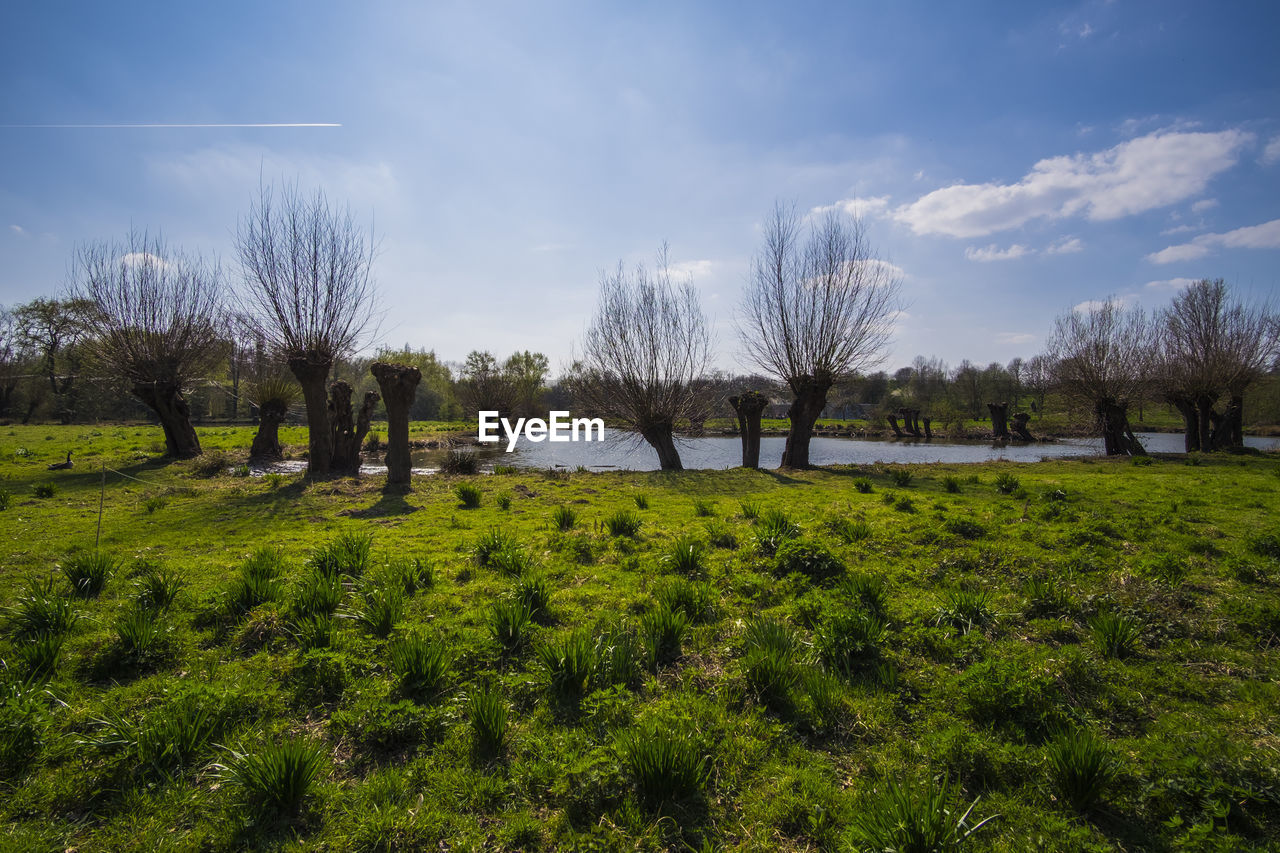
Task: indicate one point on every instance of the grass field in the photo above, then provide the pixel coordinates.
(1082, 652)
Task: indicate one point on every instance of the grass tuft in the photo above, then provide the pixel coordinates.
(914, 820)
(624, 522)
(564, 518)
(422, 663)
(1116, 634)
(1081, 767)
(666, 766)
(278, 777)
(468, 495)
(487, 713)
(88, 571)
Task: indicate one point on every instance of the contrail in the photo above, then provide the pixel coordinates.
(257, 124)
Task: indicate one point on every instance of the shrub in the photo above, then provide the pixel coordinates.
(951, 484)
(421, 663)
(468, 495)
(900, 818)
(1006, 483)
(158, 587)
(1081, 767)
(662, 631)
(534, 591)
(965, 528)
(696, 600)
(569, 662)
(88, 571)
(491, 542)
(317, 594)
(39, 611)
(138, 632)
(687, 555)
(642, 501)
(750, 510)
(278, 776)
(349, 553)
(849, 530)
(1116, 635)
(863, 485)
(849, 638)
(704, 508)
(966, 609)
(44, 490)
(379, 607)
(623, 523)
(774, 527)
(459, 462)
(770, 657)
(901, 477)
(564, 518)
(509, 623)
(487, 712)
(811, 559)
(665, 765)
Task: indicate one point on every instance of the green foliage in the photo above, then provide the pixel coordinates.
(317, 594)
(863, 485)
(411, 574)
(770, 657)
(704, 508)
(258, 582)
(1007, 695)
(459, 462)
(965, 528)
(719, 535)
(750, 510)
(6, 500)
(901, 477)
(1081, 767)
(168, 737)
(564, 518)
(88, 571)
(773, 528)
(493, 541)
(313, 631)
(422, 663)
(468, 495)
(951, 484)
(378, 607)
(513, 561)
(848, 638)
(869, 591)
(44, 490)
(623, 523)
(534, 591)
(1116, 634)
(39, 611)
(1046, 596)
(697, 600)
(157, 587)
(505, 470)
(1265, 545)
(154, 503)
(278, 776)
(487, 712)
(139, 632)
(349, 553)
(509, 623)
(617, 655)
(1006, 483)
(662, 632)
(642, 502)
(570, 662)
(687, 555)
(38, 656)
(1166, 569)
(914, 820)
(665, 765)
(966, 609)
(849, 530)
(811, 559)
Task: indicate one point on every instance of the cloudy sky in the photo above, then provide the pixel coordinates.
(1012, 159)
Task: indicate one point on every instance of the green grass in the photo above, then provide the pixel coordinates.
(567, 688)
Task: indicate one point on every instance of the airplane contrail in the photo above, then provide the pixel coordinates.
(257, 124)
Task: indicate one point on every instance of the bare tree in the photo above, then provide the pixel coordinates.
(1210, 346)
(52, 330)
(643, 353)
(155, 322)
(817, 308)
(1102, 358)
(307, 270)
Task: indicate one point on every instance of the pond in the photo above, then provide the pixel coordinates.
(719, 452)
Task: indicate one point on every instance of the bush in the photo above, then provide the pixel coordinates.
(1006, 483)
(965, 528)
(772, 528)
(39, 611)
(1081, 767)
(564, 518)
(687, 555)
(487, 712)
(811, 559)
(421, 663)
(468, 495)
(88, 571)
(903, 819)
(1116, 635)
(849, 639)
(623, 523)
(662, 631)
(769, 661)
(863, 485)
(459, 462)
(666, 766)
(569, 662)
(901, 477)
(278, 776)
(509, 623)
(695, 600)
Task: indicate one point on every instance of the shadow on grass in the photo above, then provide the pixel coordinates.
(391, 502)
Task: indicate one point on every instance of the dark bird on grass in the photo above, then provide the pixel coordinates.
(62, 466)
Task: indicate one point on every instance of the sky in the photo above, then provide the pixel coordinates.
(1013, 160)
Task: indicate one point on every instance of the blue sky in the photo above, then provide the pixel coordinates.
(1013, 159)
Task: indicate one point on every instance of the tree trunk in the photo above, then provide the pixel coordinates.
(1190, 423)
(661, 438)
(346, 436)
(928, 433)
(897, 430)
(399, 384)
(1235, 421)
(311, 369)
(749, 407)
(266, 442)
(811, 399)
(1117, 438)
(165, 399)
(1204, 420)
(999, 420)
(1020, 427)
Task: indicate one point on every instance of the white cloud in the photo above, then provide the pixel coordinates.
(1089, 306)
(1204, 204)
(883, 271)
(1271, 154)
(141, 259)
(1264, 236)
(1014, 337)
(1179, 229)
(857, 206)
(1171, 284)
(1065, 246)
(1138, 175)
(995, 253)
(691, 269)
(19, 230)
